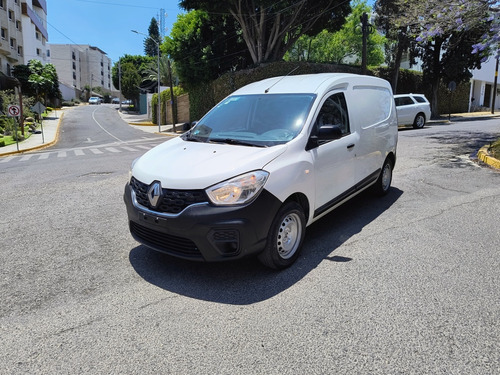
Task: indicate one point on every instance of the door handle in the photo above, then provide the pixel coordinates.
(350, 146)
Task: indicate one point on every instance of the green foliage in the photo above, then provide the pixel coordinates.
(150, 44)
(164, 99)
(205, 46)
(204, 96)
(271, 27)
(131, 81)
(338, 46)
(38, 80)
(140, 64)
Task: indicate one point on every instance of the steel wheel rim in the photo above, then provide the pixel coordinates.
(420, 121)
(386, 177)
(289, 234)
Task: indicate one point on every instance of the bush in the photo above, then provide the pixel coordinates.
(2, 142)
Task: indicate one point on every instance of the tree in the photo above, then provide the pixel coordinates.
(140, 64)
(38, 80)
(340, 45)
(398, 35)
(444, 43)
(131, 81)
(204, 46)
(150, 44)
(269, 27)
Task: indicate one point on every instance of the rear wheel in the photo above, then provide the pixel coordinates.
(419, 121)
(285, 237)
(383, 183)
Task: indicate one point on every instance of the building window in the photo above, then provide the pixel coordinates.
(48, 52)
(19, 50)
(38, 51)
(1, 4)
(4, 33)
(12, 43)
(37, 35)
(11, 15)
(74, 75)
(74, 65)
(18, 25)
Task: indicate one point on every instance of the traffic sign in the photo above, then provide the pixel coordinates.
(38, 108)
(14, 110)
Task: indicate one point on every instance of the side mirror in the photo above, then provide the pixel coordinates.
(329, 132)
(325, 133)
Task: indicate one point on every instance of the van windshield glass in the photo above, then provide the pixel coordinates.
(254, 120)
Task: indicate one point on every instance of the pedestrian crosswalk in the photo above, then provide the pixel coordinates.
(78, 152)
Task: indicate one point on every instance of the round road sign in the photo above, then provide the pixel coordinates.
(14, 110)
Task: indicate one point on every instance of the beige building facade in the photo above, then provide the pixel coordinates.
(23, 33)
(81, 66)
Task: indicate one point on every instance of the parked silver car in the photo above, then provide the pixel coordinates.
(412, 109)
(94, 100)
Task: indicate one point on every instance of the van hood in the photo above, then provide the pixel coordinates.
(180, 164)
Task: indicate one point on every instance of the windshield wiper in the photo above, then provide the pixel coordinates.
(191, 138)
(232, 141)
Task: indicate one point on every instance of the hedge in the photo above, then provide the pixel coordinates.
(203, 97)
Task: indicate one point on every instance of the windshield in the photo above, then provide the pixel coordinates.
(254, 120)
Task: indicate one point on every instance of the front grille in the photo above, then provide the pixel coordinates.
(165, 242)
(171, 201)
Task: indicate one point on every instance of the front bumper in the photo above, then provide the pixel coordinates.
(204, 232)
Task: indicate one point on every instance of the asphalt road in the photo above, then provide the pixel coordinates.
(406, 284)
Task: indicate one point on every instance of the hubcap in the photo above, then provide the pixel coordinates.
(289, 234)
(420, 121)
(386, 177)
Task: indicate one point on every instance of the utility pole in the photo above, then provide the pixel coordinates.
(366, 29)
(174, 113)
(493, 100)
(120, 81)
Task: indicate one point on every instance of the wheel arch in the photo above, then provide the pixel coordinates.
(302, 200)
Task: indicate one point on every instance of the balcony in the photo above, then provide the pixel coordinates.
(40, 4)
(34, 18)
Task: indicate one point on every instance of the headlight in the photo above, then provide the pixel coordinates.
(238, 190)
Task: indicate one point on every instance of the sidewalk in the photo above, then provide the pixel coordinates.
(50, 135)
(144, 123)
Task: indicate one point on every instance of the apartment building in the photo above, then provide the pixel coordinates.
(23, 33)
(79, 66)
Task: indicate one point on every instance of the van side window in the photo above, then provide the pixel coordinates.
(334, 112)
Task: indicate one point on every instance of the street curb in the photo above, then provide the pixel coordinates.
(42, 146)
(483, 155)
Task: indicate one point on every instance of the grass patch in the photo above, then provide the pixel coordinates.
(495, 149)
(9, 139)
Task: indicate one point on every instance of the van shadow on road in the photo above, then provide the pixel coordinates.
(247, 281)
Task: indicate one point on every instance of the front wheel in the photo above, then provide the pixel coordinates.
(285, 237)
(383, 183)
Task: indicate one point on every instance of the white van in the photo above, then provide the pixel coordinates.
(262, 165)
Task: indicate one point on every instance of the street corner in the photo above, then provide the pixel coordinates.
(486, 158)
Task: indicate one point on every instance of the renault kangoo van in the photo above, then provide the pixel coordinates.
(263, 164)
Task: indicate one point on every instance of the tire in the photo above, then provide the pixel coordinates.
(383, 184)
(285, 237)
(419, 121)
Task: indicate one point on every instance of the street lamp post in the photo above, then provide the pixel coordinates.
(158, 58)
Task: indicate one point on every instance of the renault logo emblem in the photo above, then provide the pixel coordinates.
(154, 193)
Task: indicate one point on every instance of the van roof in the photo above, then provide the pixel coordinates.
(306, 83)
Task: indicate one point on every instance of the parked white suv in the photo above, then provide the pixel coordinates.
(264, 163)
(412, 109)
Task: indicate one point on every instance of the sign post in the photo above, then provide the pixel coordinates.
(40, 108)
(15, 111)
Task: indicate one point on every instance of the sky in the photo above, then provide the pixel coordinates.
(107, 24)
